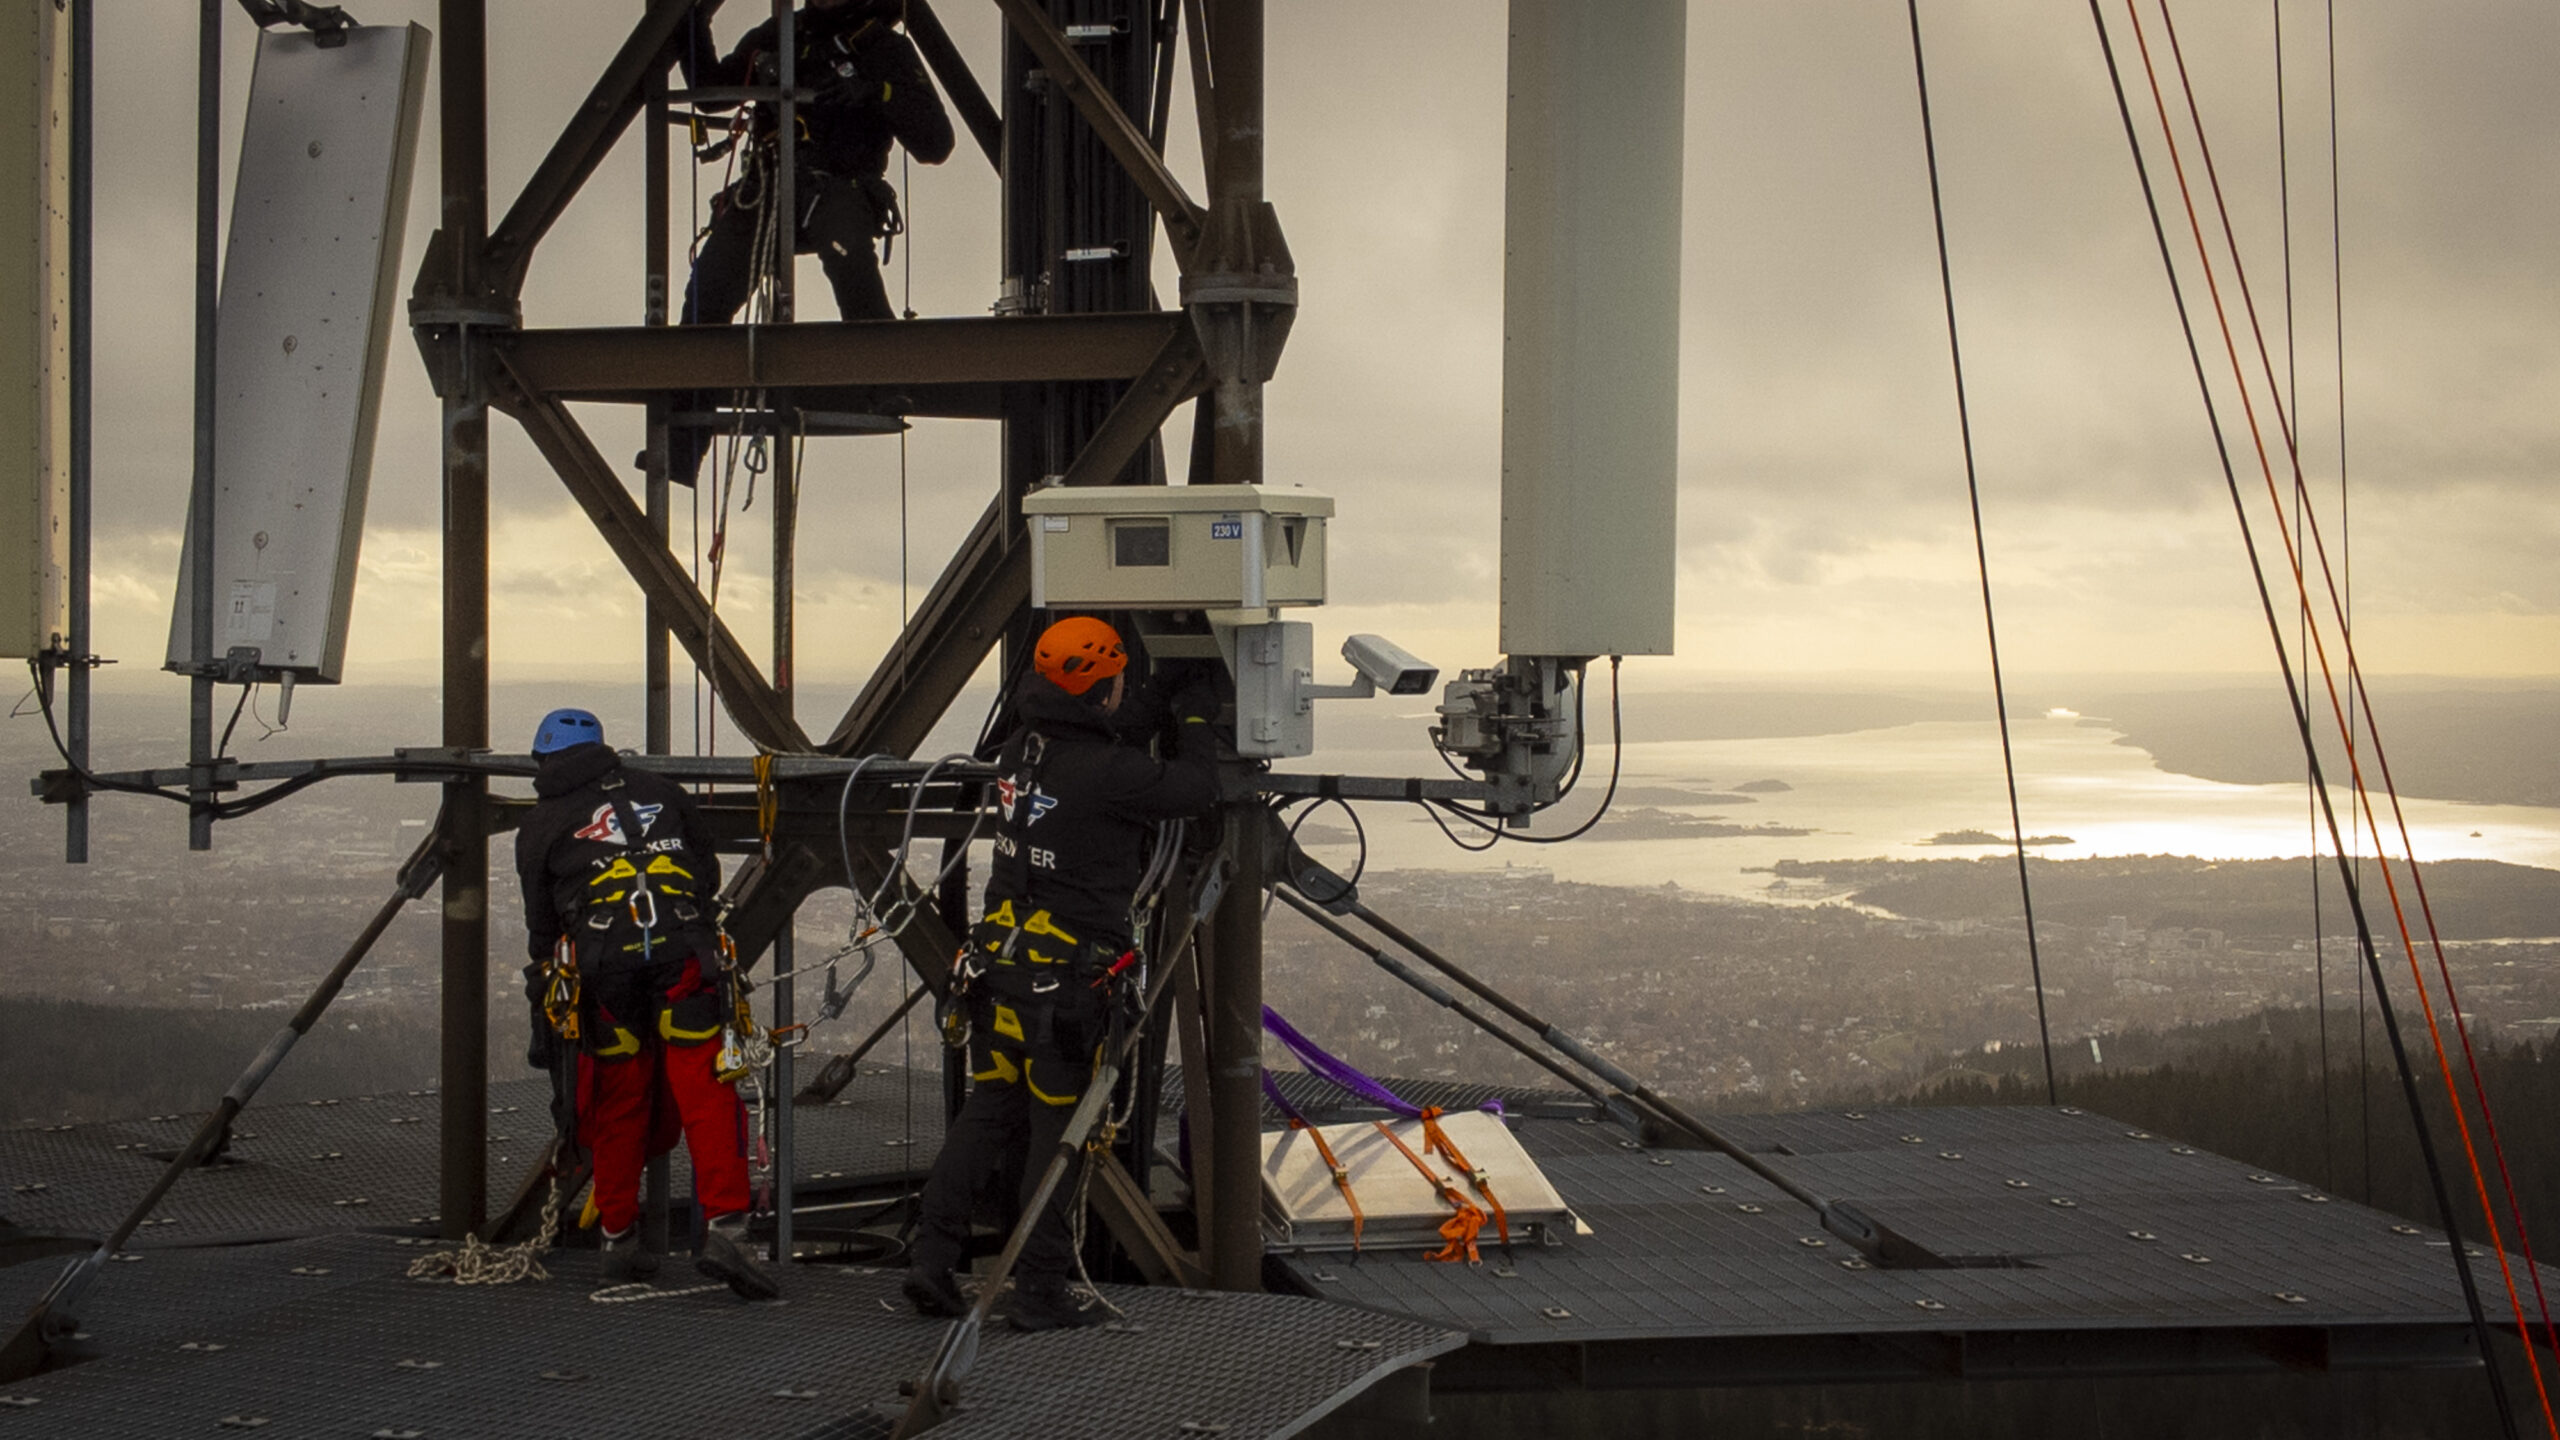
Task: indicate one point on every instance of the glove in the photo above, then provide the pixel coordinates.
(1195, 701)
(542, 1050)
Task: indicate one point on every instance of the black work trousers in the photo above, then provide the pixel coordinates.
(1028, 1071)
(840, 221)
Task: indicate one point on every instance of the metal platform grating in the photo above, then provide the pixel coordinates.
(359, 1350)
(2111, 1229)
(368, 1162)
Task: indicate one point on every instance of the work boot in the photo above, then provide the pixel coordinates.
(627, 1260)
(726, 1258)
(1047, 1304)
(934, 1293)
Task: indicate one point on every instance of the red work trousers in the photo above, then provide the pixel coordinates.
(629, 1109)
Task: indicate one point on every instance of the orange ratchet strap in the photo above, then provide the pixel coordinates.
(1459, 1229)
(1435, 1138)
(1341, 1178)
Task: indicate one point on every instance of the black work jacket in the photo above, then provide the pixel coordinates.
(1075, 808)
(872, 90)
(572, 834)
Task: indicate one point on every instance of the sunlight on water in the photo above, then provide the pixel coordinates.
(1885, 792)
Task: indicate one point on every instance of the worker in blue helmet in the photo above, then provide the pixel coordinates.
(628, 982)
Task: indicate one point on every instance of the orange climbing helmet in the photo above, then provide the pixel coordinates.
(1079, 653)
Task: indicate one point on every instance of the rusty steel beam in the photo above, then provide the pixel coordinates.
(958, 81)
(589, 136)
(577, 363)
(750, 700)
(989, 578)
(1121, 135)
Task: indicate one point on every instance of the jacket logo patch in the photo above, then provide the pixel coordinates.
(605, 826)
(1010, 793)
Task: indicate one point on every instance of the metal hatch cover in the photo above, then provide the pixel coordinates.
(1304, 1210)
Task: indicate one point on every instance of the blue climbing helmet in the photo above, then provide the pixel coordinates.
(563, 728)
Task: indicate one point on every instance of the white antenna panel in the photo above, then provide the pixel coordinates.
(35, 324)
(1591, 327)
(308, 281)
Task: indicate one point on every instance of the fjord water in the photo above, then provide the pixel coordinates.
(1886, 792)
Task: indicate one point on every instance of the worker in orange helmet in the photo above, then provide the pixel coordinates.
(1076, 807)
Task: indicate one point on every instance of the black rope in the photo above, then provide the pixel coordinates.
(2302, 628)
(2483, 1336)
(2346, 548)
(1982, 557)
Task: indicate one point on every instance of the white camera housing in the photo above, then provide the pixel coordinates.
(1274, 665)
(1389, 666)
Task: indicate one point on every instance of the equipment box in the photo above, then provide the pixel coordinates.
(1176, 547)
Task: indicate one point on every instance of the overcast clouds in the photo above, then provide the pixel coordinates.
(1822, 503)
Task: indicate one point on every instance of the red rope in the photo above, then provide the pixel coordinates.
(2356, 683)
(2359, 692)
(2362, 793)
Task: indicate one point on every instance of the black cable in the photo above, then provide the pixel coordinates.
(223, 747)
(44, 705)
(1617, 755)
(1581, 747)
(1359, 866)
(1982, 555)
(2484, 1337)
(1433, 812)
(221, 810)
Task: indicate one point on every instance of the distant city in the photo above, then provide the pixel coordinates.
(1864, 977)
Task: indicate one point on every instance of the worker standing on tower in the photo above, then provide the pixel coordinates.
(619, 883)
(868, 91)
(1037, 977)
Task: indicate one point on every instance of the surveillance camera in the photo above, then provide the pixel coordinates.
(1388, 666)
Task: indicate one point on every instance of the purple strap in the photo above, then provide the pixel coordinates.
(1337, 1072)
(1280, 1102)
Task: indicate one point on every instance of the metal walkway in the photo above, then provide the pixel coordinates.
(2086, 1246)
(325, 1337)
(368, 1162)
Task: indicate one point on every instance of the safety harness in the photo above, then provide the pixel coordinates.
(622, 913)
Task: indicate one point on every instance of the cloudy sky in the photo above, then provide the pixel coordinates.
(1823, 521)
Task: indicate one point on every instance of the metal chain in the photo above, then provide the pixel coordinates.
(477, 1262)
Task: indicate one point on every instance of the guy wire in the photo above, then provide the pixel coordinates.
(1982, 556)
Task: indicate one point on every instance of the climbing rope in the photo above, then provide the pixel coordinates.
(476, 1262)
(2301, 713)
(639, 1290)
(2363, 795)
